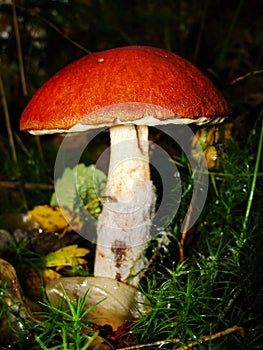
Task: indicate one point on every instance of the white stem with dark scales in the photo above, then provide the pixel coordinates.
(125, 222)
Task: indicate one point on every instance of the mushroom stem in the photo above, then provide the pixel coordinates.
(124, 224)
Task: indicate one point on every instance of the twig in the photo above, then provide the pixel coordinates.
(22, 146)
(26, 185)
(200, 31)
(213, 337)
(39, 148)
(242, 77)
(7, 121)
(53, 26)
(229, 32)
(184, 233)
(22, 69)
(19, 49)
(154, 256)
(11, 140)
(191, 343)
(187, 221)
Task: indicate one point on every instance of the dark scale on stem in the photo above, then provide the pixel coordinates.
(119, 250)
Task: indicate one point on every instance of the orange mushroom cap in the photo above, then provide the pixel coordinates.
(134, 84)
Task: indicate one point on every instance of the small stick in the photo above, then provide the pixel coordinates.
(185, 228)
(191, 343)
(242, 77)
(7, 122)
(19, 49)
(27, 185)
(39, 148)
(184, 233)
(22, 69)
(152, 259)
(200, 31)
(22, 146)
(213, 337)
(54, 27)
(11, 140)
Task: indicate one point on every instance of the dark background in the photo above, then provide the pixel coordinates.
(223, 38)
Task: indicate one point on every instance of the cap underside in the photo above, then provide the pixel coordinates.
(129, 113)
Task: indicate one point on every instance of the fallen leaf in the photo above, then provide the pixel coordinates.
(49, 274)
(49, 218)
(15, 308)
(109, 302)
(212, 141)
(71, 255)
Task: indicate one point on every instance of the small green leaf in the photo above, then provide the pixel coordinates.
(79, 186)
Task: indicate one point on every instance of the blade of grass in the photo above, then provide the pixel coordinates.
(253, 185)
(227, 40)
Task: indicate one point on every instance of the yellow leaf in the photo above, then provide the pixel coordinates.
(67, 256)
(49, 218)
(49, 274)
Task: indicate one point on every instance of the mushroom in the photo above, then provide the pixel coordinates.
(126, 89)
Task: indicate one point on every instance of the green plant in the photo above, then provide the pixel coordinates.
(216, 289)
(65, 327)
(213, 300)
(222, 274)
